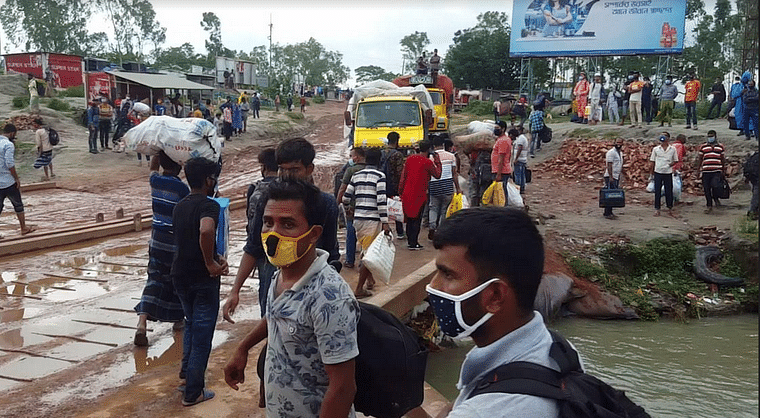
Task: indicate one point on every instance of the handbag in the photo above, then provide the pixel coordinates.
(380, 256)
(528, 175)
(613, 198)
(723, 190)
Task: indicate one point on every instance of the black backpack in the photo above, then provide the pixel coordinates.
(545, 134)
(53, 137)
(579, 394)
(390, 368)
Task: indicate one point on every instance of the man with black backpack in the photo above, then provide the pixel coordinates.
(490, 262)
(392, 164)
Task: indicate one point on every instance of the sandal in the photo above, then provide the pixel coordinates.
(141, 339)
(205, 395)
(363, 295)
(28, 230)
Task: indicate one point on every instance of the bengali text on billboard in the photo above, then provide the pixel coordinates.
(551, 28)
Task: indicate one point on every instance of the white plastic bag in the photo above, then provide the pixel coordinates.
(677, 187)
(395, 209)
(380, 256)
(180, 139)
(650, 186)
(141, 108)
(515, 199)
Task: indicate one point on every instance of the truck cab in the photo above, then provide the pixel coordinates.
(375, 117)
(441, 90)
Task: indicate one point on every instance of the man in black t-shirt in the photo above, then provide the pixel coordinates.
(195, 272)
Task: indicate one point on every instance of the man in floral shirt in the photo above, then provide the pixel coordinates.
(311, 315)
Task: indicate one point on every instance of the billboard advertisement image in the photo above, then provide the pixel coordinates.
(560, 28)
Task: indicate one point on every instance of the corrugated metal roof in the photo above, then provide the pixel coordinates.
(160, 81)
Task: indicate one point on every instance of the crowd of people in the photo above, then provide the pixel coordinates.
(635, 99)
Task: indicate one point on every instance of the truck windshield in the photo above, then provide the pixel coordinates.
(436, 96)
(373, 115)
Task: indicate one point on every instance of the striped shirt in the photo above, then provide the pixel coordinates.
(165, 192)
(445, 185)
(368, 188)
(711, 157)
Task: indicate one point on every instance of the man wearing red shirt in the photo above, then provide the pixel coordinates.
(690, 100)
(413, 189)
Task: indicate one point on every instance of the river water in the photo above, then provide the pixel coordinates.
(701, 369)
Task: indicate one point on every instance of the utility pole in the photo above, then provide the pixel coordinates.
(270, 52)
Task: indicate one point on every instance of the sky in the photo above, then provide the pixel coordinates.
(366, 32)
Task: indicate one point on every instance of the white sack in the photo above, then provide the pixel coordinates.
(380, 256)
(180, 139)
(515, 199)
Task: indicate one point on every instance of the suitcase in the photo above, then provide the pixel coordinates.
(612, 198)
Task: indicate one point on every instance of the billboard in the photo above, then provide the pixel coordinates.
(562, 28)
(65, 70)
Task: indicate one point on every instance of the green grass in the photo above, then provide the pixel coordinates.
(747, 228)
(479, 107)
(318, 99)
(635, 273)
(295, 115)
(59, 105)
(20, 102)
(76, 91)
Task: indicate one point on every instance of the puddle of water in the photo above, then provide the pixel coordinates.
(162, 351)
(127, 250)
(84, 290)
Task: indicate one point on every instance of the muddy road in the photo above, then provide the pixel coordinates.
(66, 314)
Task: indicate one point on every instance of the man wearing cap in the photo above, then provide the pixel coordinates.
(668, 94)
(663, 158)
(595, 96)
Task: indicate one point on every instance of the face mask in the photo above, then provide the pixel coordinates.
(448, 310)
(351, 162)
(630, 77)
(668, 82)
(282, 251)
(581, 78)
(711, 139)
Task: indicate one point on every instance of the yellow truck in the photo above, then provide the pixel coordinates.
(378, 108)
(441, 90)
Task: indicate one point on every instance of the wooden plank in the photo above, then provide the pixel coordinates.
(81, 340)
(21, 296)
(105, 272)
(16, 379)
(106, 308)
(38, 186)
(29, 353)
(86, 279)
(107, 324)
(39, 285)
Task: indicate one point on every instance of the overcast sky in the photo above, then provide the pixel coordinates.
(366, 32)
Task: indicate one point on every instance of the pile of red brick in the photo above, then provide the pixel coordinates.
(23, 122)
(585, 160)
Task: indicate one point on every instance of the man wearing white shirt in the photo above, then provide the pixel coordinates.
(663, 158)
(520, 158)
(613, 171)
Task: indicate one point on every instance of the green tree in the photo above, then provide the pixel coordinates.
(134, 27)
(479, 56)
(412, 47)
(179, 57)
(59, 26)
(368, 73)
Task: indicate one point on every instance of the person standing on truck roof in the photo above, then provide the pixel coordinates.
(435, 65)
(422, 66)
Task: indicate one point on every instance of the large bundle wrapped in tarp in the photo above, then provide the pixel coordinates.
(180, 139)
(478, 126)
(141, 108)
(386, 88)
(479, 141)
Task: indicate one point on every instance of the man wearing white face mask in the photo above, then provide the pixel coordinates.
(712, 165)
(490, 261)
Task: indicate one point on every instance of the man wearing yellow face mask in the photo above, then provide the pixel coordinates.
(311, 314)
(295, 159)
